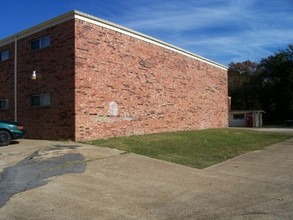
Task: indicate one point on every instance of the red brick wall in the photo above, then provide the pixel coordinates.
(7, 82)
(156, 89)
(55, 75)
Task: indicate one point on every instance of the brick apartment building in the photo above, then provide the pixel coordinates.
(79, 77)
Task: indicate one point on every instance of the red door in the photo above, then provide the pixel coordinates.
(249, 120)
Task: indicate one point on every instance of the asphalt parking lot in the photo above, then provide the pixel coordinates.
(63, 180)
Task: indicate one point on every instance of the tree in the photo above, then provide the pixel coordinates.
(242, 85)
(267, 86)
(276, 75)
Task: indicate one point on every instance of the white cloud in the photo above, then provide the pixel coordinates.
(176, 16)
(223, 30)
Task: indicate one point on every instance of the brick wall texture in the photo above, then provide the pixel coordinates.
(155, 89)
(104, 83)
(55, 75)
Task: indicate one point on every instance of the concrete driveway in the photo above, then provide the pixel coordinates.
(61, 180)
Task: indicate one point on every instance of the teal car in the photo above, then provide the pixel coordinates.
(10, 131)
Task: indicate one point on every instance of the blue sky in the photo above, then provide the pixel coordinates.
(221, 30)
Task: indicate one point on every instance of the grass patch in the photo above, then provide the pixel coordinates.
(197, 149)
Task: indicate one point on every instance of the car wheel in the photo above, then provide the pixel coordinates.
(5, 138)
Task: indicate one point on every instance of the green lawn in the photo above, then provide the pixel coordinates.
(197, 149)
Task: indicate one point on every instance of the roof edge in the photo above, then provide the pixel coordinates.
(144, 37)
(39, 27)
(101, 22)
(246, 111)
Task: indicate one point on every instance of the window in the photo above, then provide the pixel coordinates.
(41, 43)
(4, 55)
(4, 104)
(41, 100)
(238, 116)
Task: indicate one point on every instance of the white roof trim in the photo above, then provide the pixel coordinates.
(109, 25)
(38, 28)
(132, 33)
(246, 111)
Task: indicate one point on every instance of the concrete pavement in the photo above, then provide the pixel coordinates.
(112, 184)
(285, 130)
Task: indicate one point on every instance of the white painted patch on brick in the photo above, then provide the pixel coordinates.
(113, 109)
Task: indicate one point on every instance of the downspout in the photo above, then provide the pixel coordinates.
(15, 78)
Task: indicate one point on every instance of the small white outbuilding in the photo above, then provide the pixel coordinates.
(246, 118)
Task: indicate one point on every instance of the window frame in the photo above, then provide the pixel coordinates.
(4, 104)
(42, 102)
(2, 53)
(239, 116)
(40, 43)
